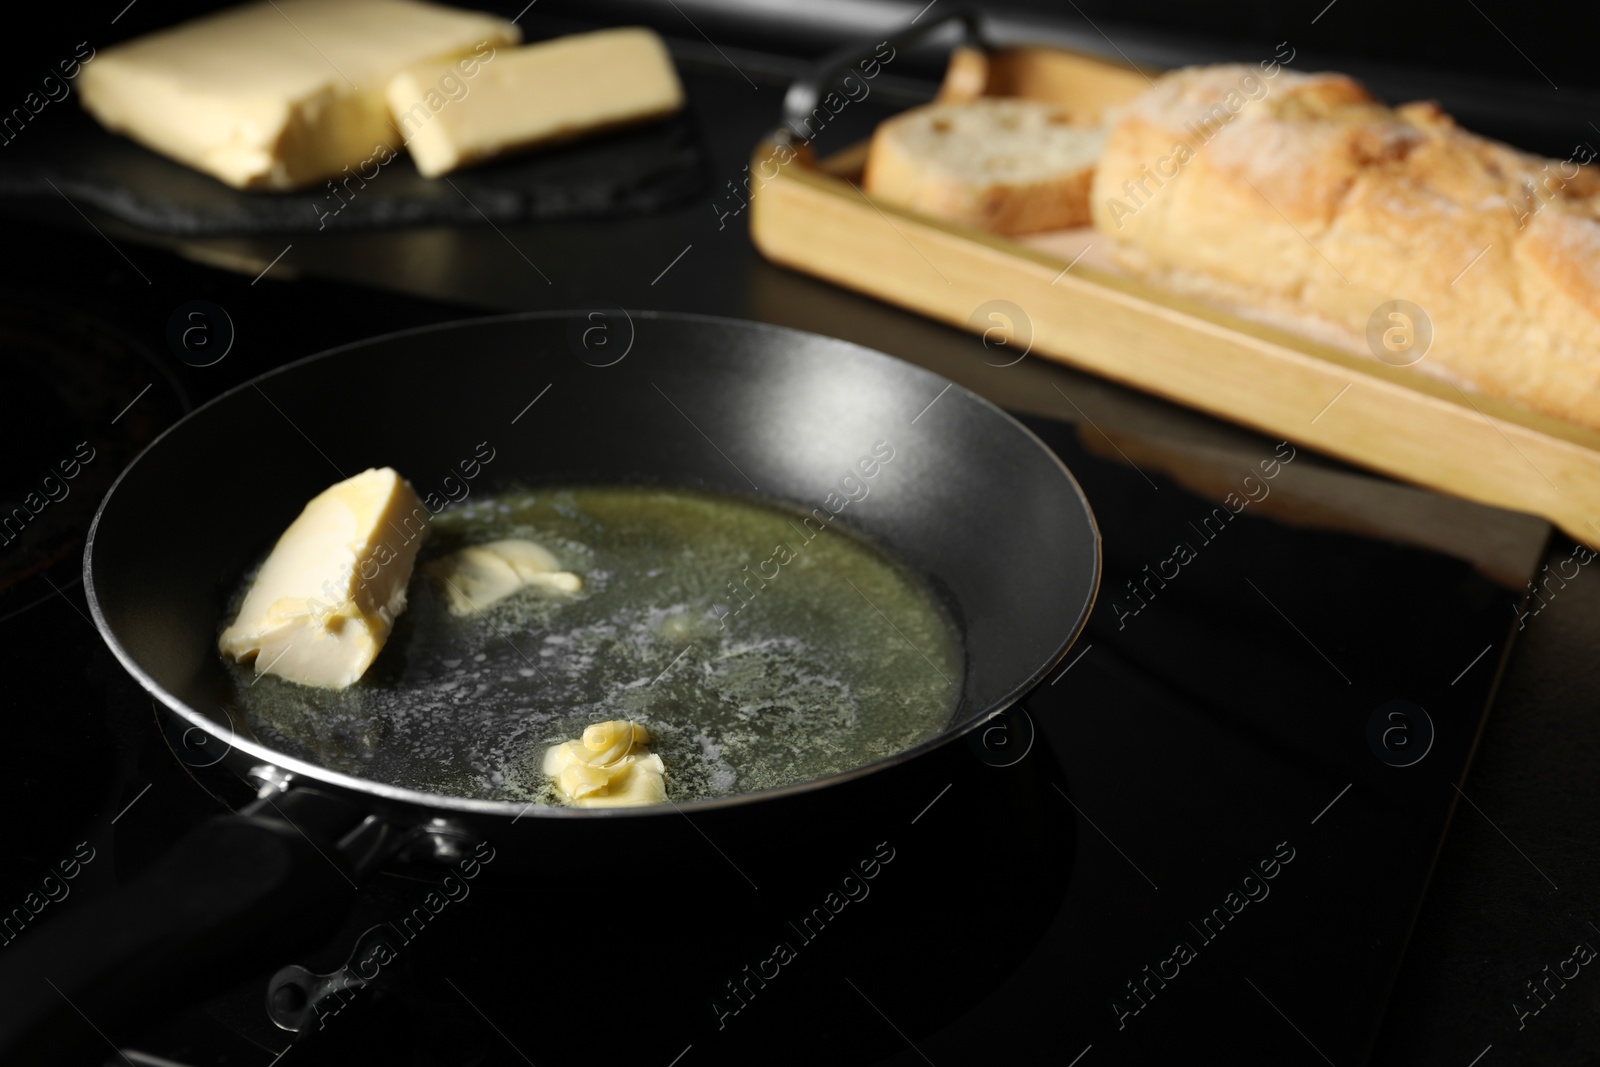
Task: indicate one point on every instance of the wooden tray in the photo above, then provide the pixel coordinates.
(812, 216)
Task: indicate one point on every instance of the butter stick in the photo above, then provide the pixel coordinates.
(540, 94)
(278, 95)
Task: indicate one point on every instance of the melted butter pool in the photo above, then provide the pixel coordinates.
(758, 656)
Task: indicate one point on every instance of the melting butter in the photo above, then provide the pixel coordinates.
(608, 767)
(325, 600)
(480, 575)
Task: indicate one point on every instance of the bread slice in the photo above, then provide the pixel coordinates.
(1003, 165)
(1302, 193)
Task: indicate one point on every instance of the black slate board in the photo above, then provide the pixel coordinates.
(633, 171)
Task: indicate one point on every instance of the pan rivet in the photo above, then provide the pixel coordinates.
(271, 778)
(288, 999)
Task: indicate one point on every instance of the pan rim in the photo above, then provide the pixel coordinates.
(293, 769)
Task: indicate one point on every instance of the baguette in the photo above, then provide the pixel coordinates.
(1302, 194)
(1007, 166)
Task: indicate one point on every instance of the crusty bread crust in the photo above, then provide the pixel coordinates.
(1048, 190)
(1302, 192)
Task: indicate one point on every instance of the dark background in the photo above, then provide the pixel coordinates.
(1525, 72)
(1489, 921)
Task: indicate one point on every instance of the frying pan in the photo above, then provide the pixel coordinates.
(972, 502)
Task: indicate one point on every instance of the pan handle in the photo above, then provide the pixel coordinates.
(237, 895)
(806, 92)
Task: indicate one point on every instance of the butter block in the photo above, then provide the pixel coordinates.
(480, 575)
(326, 599)
(538, 94)
(608, 767)
(279, 95)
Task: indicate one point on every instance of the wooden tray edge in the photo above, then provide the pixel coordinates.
(1543, 451)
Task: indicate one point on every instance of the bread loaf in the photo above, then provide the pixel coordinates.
(1008, 166)
(1302, 193)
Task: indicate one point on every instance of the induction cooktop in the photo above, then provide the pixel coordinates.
(1244, 771)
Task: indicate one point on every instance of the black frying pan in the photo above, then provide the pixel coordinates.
(973, 502)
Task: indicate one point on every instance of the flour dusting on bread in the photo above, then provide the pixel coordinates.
(1310, 194)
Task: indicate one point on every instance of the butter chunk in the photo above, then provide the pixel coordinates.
(538, 94)
(326, 599)
(608, 767)
(278, 95)
(480, 575)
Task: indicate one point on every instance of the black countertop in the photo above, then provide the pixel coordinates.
(1515, 887)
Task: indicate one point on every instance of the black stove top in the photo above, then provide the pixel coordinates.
(1250, 758)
